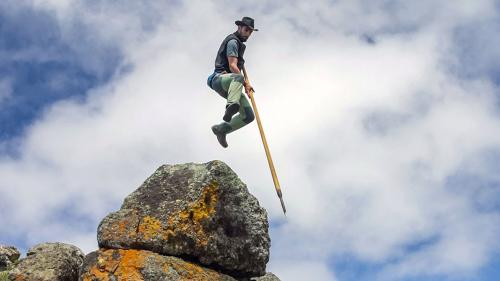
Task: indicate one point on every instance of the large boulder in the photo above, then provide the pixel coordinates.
(119, 264)
(8, 255)
(200, 211)
(49, 262)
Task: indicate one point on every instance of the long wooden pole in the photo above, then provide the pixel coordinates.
(250, 93)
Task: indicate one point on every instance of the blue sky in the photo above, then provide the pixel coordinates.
(383, 118)
(41, 68)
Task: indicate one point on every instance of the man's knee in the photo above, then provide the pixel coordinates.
(238, 77)
(249, 116)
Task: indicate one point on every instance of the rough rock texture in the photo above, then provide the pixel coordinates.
(119, 264)
(8, 255)
(200, 211)
(49, 262)
(268, 277)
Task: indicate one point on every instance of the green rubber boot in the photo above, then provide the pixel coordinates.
(220, 131)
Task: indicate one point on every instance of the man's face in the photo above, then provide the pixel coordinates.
(244, 32)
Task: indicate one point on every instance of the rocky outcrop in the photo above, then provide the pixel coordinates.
(8, 255)
(113, 264)
(49, 262)
(203, 212)
(185, 222)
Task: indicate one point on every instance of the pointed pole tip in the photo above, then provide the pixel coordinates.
(282, 205)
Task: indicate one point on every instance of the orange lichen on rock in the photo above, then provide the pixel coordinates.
(204, 207)
(132, 261)
(20, 277)
(126, 265)
(150, 228)
(190, 220)
(123, 227)
(113, 264)
(189, 271)
(187, 221)
(95, 273)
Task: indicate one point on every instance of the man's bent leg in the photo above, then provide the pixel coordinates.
(232, 83)
(246, 115)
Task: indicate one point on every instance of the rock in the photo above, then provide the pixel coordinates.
(8, 255)
(119, 264)
(200, 211)
(49, 262)
(268, 277)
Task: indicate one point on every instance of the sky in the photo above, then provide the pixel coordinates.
(383, 119)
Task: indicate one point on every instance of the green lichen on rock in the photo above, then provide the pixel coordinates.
(4, 275)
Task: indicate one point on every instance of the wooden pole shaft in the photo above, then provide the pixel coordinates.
(264, 141)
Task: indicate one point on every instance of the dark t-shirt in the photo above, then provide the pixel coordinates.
(232, 48)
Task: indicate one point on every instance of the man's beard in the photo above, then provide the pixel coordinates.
(242, 39)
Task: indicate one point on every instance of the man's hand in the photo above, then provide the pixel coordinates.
(248, 88)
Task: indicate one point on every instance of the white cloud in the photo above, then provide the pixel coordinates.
(364, 137)
(304, 270)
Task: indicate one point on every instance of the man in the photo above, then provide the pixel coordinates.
(228, 81)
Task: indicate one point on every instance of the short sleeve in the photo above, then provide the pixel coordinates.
(232, 48)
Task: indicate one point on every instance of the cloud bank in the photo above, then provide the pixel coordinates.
(384, 137)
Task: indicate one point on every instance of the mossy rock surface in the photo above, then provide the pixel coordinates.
(200, 211)
(49, 262)
(4, 275)
(8, 256)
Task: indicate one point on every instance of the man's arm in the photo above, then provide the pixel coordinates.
(233, 65)
(232, 57)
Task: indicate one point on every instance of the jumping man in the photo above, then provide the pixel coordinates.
(228, 81)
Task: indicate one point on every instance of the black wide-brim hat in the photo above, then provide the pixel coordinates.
(246, 21)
